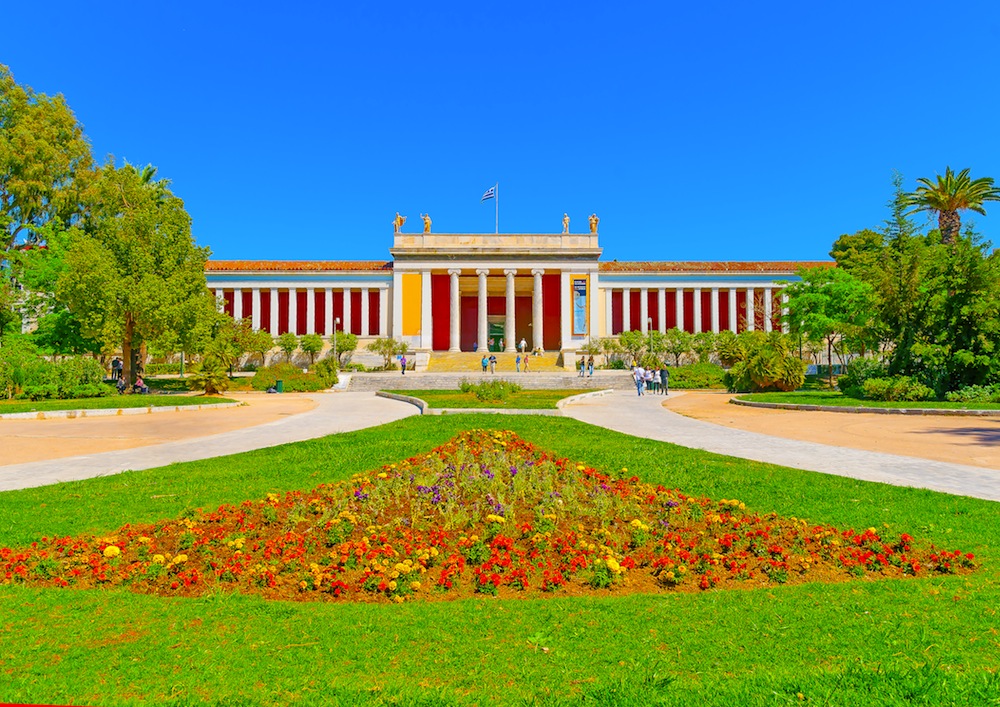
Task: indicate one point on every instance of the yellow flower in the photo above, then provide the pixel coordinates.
(392, 586)
(158, 559)
(414, 586)
(112, 551)
(613, 565)
(180, 558)
(492, 518)
(383, 475)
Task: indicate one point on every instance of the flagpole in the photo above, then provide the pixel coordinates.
(496, 198)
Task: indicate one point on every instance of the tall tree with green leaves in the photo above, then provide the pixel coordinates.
(948, 196)
(45, 161)
(134, 270)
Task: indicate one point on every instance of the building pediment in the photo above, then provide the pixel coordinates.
(421, 246)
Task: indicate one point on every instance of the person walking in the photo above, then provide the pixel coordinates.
(640, 379)
(525, 361)
(664, 380)
(523, 345)
(517, 363)
(493, 363)
(590, 366)
(485, 362)
(648, 376)
(402, 364)
(583, 366)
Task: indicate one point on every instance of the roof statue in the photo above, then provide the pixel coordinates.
(565, 223)
(427, 222)
(397, 223)
(593, 223)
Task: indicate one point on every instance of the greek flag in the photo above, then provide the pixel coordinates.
(490, 193)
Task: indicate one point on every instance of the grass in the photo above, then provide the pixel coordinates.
(840, 400)
(522, 400)
(924, 641)
(110, 403)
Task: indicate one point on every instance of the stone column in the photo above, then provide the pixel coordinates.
(536, 312)
(697, 309)
(715, 310)
(484, 329)
(679, 307)
(255, 304)
(626, 309)
(751, 314)
(383, 312)
(661, 309)
(237, 304)
(274, 312)
(609, 329)
(366, 329)
(426, 312)
(565, 313)
(455, 330)
(767, 309)
(397, 305)
(293, 310)
(784, 311)
(310, 310)
(733, 324)
(328, 311)
(220, 299)
(644, 310)
(509, 328)
(347, 310)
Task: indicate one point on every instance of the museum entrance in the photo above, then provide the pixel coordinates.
(495, 341)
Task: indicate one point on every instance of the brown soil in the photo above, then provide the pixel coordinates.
(38, 440)
(959, 440)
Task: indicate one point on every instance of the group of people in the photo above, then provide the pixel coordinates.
(586, 367)
(651, 380)
(117, 375)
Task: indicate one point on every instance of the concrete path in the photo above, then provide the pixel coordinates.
(335, 412)
(646, 417)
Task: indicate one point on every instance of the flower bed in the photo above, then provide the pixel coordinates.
(486, 513)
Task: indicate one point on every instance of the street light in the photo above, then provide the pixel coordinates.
(336, 361)
(649, 330)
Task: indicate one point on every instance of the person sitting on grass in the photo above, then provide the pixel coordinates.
(140, 386)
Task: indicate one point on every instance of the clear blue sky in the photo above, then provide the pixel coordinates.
(698, 131)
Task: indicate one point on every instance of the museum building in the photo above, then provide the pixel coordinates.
(480, 292)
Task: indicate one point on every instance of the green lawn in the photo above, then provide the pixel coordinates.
(840, 400)
(523, 400)
(929, 641)
(110, 403)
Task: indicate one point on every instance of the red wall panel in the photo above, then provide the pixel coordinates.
(440, 311)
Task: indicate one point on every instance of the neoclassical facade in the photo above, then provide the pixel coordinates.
(479, 292)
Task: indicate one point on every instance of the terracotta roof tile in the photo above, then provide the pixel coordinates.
(694, 266)
(296, 265)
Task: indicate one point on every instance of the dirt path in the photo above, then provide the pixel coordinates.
(37, 440)
(960, 440)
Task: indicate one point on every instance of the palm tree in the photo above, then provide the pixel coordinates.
(952, 193)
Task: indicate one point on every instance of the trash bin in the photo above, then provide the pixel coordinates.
(280, 385)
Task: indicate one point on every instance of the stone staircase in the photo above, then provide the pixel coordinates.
(442, 380)
(470, 362)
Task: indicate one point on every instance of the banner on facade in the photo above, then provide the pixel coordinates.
(580, 304)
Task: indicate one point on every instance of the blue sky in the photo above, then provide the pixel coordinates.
(704, 131)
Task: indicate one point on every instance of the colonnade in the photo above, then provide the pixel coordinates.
(537, 324)
(750, 313)
(312, 323)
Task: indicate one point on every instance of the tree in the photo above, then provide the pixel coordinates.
(828, 303)
(388, 348)
(134, 270)
(287, 342)
(703, 344)
(610, 348)
(951, 194)
(210, 376)
(633, 343)
(857, 250)
(260, 342)
(58, 333)
(678, 343)
(346, 344)
(767, 362)
(45, 162)
(311, 344)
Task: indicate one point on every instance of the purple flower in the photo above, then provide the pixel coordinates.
(513, 471)
(360, 495)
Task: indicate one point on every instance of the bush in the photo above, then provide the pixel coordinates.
(896, 388)
(295, 381)
(327, 370)
(25, 374)
(767, 363)
(859, 371)
(975, 394)
(697, 375)
(490, 391)
(210, 376)
(615, 364)
(160, 369)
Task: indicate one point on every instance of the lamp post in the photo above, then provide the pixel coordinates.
(649, 330)
(336, 361)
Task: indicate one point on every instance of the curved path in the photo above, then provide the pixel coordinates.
(334, 412)
(646, 417)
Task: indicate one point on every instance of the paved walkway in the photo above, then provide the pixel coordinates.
(646, 417)
(334, 412)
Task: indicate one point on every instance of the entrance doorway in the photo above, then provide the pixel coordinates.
(495, 341)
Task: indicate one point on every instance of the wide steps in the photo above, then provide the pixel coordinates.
(471, 362)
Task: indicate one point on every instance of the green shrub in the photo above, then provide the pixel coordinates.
(327, 370)
(162, 369)
(210, 376)
(615, 364)
(295, 381)
(697, 375)
(975, 394)
(492, 391)
(25, 374)
(768, 363)
(896, 388)
(859, 371)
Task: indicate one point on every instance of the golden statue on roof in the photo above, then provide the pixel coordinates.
(565, 223)
(427, 222)
(593, 223)
(397, 223)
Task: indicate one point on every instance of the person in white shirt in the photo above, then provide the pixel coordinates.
(640, 378)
